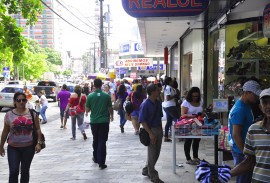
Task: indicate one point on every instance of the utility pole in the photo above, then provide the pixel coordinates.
(101, 37)
(94, 57)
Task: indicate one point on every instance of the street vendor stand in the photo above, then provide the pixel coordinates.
(219, 105)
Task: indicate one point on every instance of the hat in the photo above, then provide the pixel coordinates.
(252, 86)
(265, 93)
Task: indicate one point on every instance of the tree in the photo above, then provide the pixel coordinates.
(67, 72)
(54, 57)
(11, 40)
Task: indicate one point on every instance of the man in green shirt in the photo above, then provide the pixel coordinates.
(100, 105)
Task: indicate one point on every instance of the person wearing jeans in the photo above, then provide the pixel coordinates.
(190, 107)
(77, 100)
(18, 127)
(44, 104)
(169, 106)
(122, 93)
(240, 119)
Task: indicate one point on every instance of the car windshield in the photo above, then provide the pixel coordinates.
(46, 83)
(11, 90)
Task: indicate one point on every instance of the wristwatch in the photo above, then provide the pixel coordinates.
(40, 142)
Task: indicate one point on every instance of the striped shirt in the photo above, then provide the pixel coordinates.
(258, 144)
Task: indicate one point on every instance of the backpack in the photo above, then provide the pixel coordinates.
(128, 107)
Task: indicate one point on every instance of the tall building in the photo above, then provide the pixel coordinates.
(43, 30)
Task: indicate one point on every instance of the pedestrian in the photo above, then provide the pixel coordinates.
(76, 98)
(113, 85)
(17, 131)
(169, 104)
(135, 84)
(44, 105)
(29, 96)
(100, 105)
(136, 99)
(240, 119)
(86, 89)
(150, 117)
(122, 94)
(256, 148)
(128, 86)
(190, 108)
(63, 97)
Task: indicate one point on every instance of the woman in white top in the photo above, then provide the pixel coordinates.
(169, 104)
(44, 105)
(190, 108)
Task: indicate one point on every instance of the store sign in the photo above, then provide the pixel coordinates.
(6, 72)
(164, 8)
(134, 62)
(266, 21)
(124, 48)
(152, 67)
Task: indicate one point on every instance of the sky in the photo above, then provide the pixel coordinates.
(123, 26)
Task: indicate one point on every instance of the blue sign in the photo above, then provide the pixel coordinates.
(125, 48)
(121, 71)
(153, 67)
(164, 8)
(266, 21)
(6, 72)
(138, 47)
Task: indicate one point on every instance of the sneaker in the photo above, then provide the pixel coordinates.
(102, 166)
(191, 162)
(72, 138)
(145, 174)
(61, 126)
(122, 129)
(84, 136)
(197, 160)
(44, 122)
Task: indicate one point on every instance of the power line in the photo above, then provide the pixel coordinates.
(66, 20)
(75, 15)
(82, 15)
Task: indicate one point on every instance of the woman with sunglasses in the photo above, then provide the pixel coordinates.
(190, 108)
(18, 127)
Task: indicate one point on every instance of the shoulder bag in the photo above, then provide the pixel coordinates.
(35, 134)
(143, 134)
(76, 109)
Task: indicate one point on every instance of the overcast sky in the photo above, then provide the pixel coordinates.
(124, 27)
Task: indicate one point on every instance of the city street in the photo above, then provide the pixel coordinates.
(64, 160)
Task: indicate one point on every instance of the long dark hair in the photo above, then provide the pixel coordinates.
(78, 90)
(191, 91)
(121, 90)
(16, 96)
(139, 91)
(167, 81)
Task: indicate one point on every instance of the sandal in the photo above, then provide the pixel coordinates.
(197, 160)
(191, 162)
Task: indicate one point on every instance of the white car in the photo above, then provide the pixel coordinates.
(7, 94)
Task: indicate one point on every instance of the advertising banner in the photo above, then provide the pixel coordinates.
(164, 8)
(134, 62)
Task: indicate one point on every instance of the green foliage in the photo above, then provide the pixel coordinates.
(67, 73)
(54, 57)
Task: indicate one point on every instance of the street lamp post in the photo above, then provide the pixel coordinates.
(101, 37)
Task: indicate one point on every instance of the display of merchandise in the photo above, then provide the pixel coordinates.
(209, 173)
(223, 139)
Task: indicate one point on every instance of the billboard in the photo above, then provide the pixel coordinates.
(131, 48)
(164, 8)
(133, 62)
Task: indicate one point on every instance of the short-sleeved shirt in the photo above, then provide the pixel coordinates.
(258, 144)
(134, 86)
(151, 113)
(21, 128)
(44, 99)
(136, 101)
(99, 103)
(192, 109)
(168, 90)
(240, 114)
(63, 96)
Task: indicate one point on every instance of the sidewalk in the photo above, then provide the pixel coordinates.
(64, 160)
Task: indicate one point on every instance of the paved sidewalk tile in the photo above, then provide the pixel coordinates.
(65, 160)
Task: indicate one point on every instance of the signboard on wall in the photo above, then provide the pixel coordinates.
(266, 21)
(131, 48)
(152, 67)
(134, 62)
(164, 8)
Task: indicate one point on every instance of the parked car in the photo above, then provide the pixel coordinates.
(7, 94)
(51, 89)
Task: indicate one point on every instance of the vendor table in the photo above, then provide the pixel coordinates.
(174, 137)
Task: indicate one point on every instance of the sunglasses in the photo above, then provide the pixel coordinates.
(21, 100)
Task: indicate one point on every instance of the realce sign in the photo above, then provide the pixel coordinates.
(164, 8)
